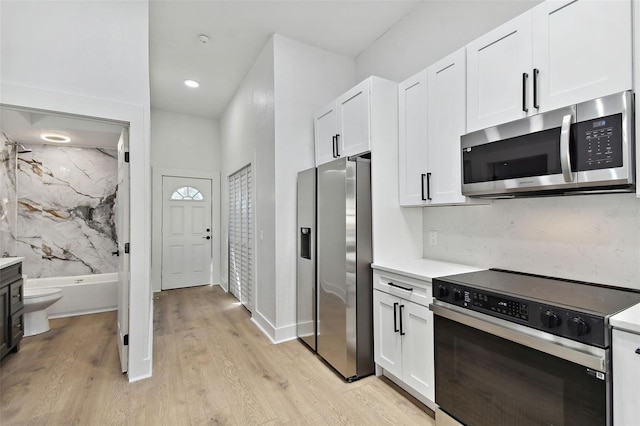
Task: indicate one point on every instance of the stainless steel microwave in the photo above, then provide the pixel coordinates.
(577, 149)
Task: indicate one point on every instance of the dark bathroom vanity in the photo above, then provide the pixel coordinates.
(11, 305)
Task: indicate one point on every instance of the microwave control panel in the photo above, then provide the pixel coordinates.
(598, 143)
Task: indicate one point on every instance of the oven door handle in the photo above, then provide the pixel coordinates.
(576, 352)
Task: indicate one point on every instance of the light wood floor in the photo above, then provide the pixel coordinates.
(211, 366)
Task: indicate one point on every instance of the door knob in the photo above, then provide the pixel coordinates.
(208, 237)
(208, 230)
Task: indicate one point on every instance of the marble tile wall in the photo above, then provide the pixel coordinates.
(593, 238)
(65, 211)
(7, 199)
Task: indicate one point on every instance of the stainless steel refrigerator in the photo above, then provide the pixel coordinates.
(306, 266)
(344, 291)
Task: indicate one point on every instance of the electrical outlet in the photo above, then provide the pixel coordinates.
(433, 238)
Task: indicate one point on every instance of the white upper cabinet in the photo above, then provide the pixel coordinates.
(559, 53)
(446, 117)
(498, 70)
(431, 120)
(582, 50)
(326, 124)
(412, 140)
(354, 114)
(345, 127)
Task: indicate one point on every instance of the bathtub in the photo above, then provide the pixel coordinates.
(81, 295)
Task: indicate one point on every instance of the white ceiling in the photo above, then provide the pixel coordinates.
(238, 30)
(25, 127)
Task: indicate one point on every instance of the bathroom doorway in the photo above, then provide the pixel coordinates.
(62, 209)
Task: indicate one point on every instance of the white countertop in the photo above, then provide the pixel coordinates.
(424, 269)
(627, 320)
(8, 261)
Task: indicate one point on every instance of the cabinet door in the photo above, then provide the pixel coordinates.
(16, 328)
(387, 342)
(353, 120)
(582, 50)
(626, 378)
(412, 140)
(4, 320)
(326, 128)
(446, 112)
(417, 348)
(498, 63)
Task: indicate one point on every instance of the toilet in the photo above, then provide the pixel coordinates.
(36, 301)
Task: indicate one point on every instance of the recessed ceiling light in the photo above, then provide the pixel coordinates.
(191, 83)
(55, 137)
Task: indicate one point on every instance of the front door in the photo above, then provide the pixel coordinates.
(186, 232)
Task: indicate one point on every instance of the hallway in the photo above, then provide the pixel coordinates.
(211, 366)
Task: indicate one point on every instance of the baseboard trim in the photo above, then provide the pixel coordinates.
(276, 335)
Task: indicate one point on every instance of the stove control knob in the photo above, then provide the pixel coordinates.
(443, 291)
(457, 295)
(578, 327)
(550, 319)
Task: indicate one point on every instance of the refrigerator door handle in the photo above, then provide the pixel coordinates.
(395, 316)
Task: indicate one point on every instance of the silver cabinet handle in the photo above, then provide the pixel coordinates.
(565, 156)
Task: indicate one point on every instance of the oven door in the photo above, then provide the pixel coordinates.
(492, 372)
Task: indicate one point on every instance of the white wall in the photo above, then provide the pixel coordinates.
(184, 145)
(91, 58)
(306, 78)
(184, 141)
(269, 122)
(430, 32)
(591, 238)
(248, 137)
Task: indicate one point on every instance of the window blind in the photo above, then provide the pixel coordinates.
(241, 236)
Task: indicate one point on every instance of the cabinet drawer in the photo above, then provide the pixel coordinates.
(16, 296)
(408, 288)
(17, 328)
(11, 273)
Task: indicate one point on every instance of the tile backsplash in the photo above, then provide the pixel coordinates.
(593, 238)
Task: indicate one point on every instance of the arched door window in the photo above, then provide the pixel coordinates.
(187, 193)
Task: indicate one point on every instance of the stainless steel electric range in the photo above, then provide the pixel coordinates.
(522, 349)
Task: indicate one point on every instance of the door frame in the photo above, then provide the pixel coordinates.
(136, 117)
(156, 220)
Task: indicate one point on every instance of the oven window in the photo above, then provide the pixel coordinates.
(534, 154)
(483, 380)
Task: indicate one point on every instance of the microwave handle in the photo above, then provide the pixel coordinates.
(565, 155)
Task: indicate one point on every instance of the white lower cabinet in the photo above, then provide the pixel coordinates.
(626, 378)
(403, 333)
